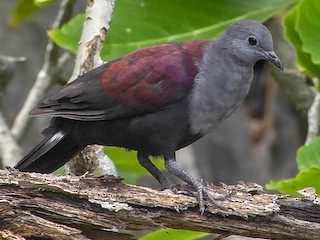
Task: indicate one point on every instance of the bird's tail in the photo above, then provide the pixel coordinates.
(50, 154)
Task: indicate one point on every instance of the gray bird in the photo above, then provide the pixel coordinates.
(155, 100)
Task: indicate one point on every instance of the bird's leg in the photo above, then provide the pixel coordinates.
(162, 179)
(173, 168)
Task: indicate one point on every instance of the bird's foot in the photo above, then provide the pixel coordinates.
(197, 185)
(213, 197)
(199, 190)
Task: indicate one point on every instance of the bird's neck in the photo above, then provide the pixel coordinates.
(220, 86)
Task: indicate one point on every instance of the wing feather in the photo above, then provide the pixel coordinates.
(144, 81)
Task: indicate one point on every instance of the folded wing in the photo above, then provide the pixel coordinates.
(147, 80)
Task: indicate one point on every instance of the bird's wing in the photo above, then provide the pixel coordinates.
(144, 81)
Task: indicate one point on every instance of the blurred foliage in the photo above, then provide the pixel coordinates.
(308, 160)
(25, 10)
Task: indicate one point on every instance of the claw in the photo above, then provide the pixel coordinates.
(200, 191)
(198, 185)
(212, 196)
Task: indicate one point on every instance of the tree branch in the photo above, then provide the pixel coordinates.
(7, 67)
(69, 207)
(46, 76)
(95, 28)
(9, 148)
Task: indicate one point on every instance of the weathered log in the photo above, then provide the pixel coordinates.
(68, 207)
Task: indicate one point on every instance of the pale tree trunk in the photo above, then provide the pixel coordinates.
(98, 16)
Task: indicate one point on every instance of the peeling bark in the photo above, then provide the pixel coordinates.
(70, 207)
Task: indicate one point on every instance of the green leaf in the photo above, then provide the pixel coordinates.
(127, 164)
(309, 155)
(307, 178)
(169, 234)
(23, 10)
(69, 34)
(293, 35)
(179, 20)
(308, 159)
(308, 26)
(139, 23)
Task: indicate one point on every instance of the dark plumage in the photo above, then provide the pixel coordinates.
(155, 100)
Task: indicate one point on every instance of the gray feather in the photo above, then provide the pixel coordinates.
(226, 72)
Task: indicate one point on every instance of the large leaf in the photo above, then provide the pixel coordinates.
(307, 178)
(69, 34)
(309, 155)
(294, 24)
(169, 234)
(152, 22)
(308, 159)
(308, 26)
(139, 23)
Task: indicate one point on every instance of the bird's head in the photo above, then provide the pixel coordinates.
(250, 41)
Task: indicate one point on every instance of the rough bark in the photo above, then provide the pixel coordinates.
(70, 207)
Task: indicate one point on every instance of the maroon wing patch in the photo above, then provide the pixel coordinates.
(154, 76)
(146, 80)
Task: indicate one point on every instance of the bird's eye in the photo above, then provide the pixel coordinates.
(252, 41)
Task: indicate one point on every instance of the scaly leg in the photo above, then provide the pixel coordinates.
(162, 179)
(173, 168)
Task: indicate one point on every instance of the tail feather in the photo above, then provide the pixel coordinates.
(50, 154)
